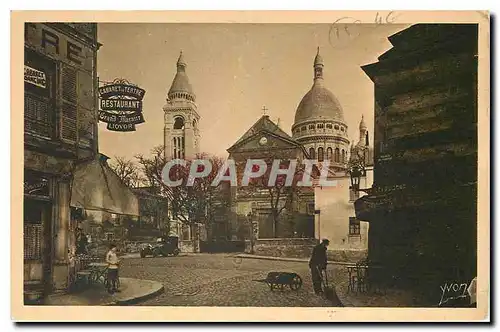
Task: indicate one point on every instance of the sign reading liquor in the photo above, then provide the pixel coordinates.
(121, 105)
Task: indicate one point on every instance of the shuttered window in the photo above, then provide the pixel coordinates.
(39, 96)
(69, 104)
(33, 241)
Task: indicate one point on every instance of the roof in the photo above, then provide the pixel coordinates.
(319, 103)
(264, 124)
(181, 80)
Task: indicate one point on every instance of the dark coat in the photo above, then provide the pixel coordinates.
(318, 257)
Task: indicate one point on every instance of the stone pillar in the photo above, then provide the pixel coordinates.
(61, 235)
(189, 147)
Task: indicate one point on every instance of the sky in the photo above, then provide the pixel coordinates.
(235, 69)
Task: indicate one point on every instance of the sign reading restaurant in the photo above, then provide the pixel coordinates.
(121, 105)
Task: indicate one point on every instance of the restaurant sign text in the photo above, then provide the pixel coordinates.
(121, 105)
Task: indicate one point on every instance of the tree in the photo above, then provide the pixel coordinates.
(189, 204)
(127, 171)
(280, 194)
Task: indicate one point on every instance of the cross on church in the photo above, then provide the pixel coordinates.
(264, 109)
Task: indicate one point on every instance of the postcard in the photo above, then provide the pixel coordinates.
(250, 166)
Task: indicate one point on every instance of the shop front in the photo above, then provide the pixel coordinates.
(45, 216)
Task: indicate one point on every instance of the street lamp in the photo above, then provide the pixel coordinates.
(252, 231)
(356, 171)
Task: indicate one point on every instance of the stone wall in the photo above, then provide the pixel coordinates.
(300, 248)
(292, 247)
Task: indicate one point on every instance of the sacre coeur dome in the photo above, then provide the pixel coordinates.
(319, 103)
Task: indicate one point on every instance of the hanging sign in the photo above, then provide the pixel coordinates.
(121, 105)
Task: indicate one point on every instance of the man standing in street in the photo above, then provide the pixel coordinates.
(113, 262)
(317, 263)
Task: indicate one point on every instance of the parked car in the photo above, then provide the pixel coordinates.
(168, 246)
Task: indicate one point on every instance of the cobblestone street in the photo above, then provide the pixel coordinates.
(221, 280)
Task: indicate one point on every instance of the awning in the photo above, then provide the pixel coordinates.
(96, 187)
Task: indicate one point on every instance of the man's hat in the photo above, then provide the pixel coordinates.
(325, 241)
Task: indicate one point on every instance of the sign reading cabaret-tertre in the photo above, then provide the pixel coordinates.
(121, 105)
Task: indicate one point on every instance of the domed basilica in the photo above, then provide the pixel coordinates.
(319, 123)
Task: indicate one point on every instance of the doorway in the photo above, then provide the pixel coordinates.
(38, 241)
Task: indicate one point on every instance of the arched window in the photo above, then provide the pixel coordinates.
(312, 154)
(179, 123)
(194, 124)
(320, 154)
(337, 155)
(343, 155)
(329, 153)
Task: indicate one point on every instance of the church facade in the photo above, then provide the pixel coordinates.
(319, 132)
(273, 220)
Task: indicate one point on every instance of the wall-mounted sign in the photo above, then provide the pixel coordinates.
(121, 105)
(35, 77)
(36, 186)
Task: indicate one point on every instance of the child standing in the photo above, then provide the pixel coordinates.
(113, 263)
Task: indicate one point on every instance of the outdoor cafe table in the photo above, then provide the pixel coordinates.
(98, 271)
(358, 275)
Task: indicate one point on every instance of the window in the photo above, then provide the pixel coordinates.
(329, 153)
(312, 153)
(354, 226)
(336, 127)
(39, 95)
(186, 233)
(337, 155)
(320, 125)
(343, 155)
(303, 128)
(329, 126)
(178, 123)
(311, 126)
(69, 102)
(320, 154)
(109, 236)
(310, 209)
(342, 128)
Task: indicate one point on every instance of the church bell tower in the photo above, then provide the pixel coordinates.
(181, 133)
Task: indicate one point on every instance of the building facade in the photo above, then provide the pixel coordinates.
(291, 231)
(181, 133)
(181, 141)
(60, 129)
(335, 217)
(320, 127)
(423, 206)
